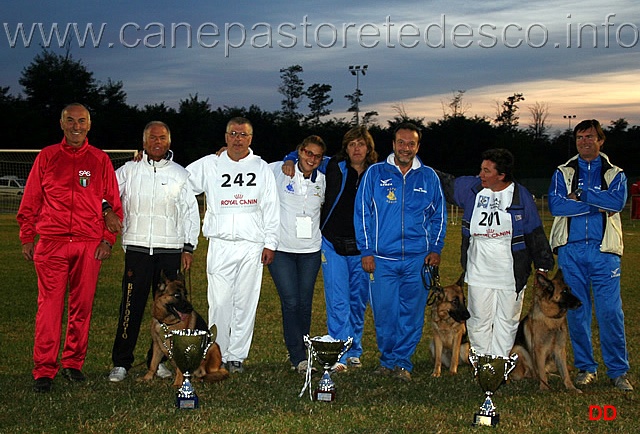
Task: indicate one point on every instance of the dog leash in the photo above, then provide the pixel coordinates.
(190, 285)
(433, 287)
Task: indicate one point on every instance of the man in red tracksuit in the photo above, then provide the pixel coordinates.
(62, 204)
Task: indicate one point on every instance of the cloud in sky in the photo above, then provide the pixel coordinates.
(489, 50)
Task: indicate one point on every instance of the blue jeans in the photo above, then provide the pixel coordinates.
(295, 276)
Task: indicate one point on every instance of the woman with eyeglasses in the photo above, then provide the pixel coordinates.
(346, 285)
(297, 260)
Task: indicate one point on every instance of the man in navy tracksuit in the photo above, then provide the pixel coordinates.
(586, 196)
(400, 221)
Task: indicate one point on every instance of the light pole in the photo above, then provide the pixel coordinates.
(357, 70)
(569, 117)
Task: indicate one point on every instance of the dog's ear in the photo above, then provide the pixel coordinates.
(559, 276)
(161, 287)
(163, 276)
(542, 281)
(460, 281)
(180, 277)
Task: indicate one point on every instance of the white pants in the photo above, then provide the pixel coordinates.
(495, 314)
(234, 276)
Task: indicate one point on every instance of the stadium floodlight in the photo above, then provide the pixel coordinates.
(357, 70)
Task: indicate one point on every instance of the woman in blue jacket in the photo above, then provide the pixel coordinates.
(502, 235)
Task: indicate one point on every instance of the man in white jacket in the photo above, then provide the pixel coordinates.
(242, 224)
(159, 234)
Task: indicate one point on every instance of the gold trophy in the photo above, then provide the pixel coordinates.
(490, 371)
(188, 349)
(327, 351)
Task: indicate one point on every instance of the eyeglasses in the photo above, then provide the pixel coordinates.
(241, 134)
(310, 154)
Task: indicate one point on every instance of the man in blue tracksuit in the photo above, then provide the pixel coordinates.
(586, 196)
(400, 221)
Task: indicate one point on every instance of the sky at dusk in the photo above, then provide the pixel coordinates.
(578, 57)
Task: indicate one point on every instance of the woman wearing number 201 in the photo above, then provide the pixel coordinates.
(502, 235)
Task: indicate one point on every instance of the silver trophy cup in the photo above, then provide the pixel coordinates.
(188, 349)
(490, 371)
(327, 352)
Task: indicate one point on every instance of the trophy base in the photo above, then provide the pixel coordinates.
(190, 403)
(484, 420)
(325, 396)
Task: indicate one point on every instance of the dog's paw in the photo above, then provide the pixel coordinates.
(147, 377)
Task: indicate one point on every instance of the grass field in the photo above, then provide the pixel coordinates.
(265, 398)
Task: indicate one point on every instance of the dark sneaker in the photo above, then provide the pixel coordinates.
(622, 383)
(382, 371)
(583, 378)
(235, 367)
(401, 374)
(74, 375)
(42, 385)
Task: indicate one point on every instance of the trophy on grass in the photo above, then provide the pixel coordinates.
(188, 348)
(327, 351)
(490, 371)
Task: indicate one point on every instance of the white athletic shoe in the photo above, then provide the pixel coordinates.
(117, 374)
(163, 371)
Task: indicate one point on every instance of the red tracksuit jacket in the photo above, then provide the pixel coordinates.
(63, 195)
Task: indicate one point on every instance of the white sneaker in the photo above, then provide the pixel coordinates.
(163, 371)
(302, 367)
(117, 374)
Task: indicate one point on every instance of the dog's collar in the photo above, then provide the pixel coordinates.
(165, 328)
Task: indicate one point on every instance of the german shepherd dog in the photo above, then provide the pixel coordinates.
(542, 333)
(172, 311)
(450, 344)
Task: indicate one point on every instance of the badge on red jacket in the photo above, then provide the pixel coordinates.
(85, 177)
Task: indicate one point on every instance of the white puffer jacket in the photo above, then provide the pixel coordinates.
(160, 209)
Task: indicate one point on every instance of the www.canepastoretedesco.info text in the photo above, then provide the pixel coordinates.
(390, 34)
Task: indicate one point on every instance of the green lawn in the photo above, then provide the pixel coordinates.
(265, 397)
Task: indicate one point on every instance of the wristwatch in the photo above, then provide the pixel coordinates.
(578, 194)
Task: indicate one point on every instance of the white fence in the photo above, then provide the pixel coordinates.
(15, 165)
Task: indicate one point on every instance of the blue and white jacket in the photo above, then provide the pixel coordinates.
(400, 216)
(595, 218)
(529, 242)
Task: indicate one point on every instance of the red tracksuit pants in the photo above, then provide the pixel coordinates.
(62, 264)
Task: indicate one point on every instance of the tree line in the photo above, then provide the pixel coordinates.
(452, 143)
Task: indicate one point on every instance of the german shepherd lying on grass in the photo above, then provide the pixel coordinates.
(172, 311)
(542, 334)
(450, 344)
